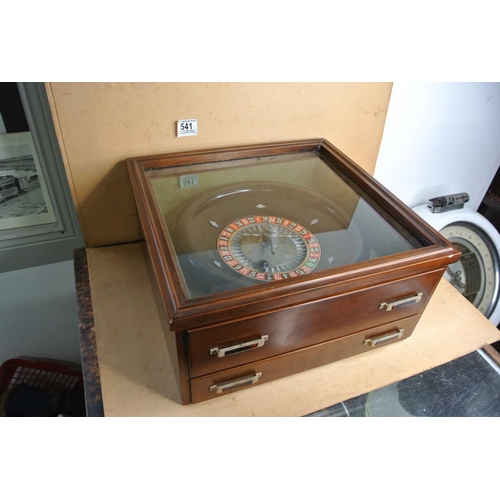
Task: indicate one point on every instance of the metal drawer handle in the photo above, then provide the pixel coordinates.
(384, 338)
(235, 349)
(389, 306)
(235, 383)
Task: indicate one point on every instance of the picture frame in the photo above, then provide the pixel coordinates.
(35, 239)
(24, 198)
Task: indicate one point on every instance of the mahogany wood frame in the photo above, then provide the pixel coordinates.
(185, 314)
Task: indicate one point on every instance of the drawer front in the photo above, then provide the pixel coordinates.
(225, 346)
(242, 377)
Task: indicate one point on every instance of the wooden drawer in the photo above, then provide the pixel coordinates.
(228, 345)
(242, 377)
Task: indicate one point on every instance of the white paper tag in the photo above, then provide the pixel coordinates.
(190, 180)
(187, 127)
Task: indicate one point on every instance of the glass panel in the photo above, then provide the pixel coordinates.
(24, 199)
(240, 223)
(466, 387)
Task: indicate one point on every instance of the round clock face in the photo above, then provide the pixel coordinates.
(264, 247)
(476, 274)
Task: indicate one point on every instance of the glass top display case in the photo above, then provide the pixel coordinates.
(234, 233)
(237, 225)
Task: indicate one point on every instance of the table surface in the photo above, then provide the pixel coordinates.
(128, 372)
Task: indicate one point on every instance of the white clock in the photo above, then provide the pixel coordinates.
(477, 274)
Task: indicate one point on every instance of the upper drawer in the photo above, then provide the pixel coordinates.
(227, 345)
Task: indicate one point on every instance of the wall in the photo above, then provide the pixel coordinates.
(38, 302)
(39, 313)
(99, 125)
(440, 138)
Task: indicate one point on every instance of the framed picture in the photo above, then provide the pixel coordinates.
(24, 199)
(38, 222)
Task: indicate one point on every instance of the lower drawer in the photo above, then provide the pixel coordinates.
(228, 381)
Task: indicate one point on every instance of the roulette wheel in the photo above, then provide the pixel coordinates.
(254, 234)
(270, 259)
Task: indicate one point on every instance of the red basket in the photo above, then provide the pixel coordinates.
(37, 373)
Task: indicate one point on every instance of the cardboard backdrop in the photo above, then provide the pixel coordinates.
(99, 125)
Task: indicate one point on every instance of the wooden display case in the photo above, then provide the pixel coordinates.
(271, 259)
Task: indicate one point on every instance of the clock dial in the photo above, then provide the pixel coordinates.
(476, 273)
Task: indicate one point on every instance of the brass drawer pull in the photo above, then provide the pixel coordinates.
(235, 349)
(389, 306)
(384, 338)
(235, 383)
